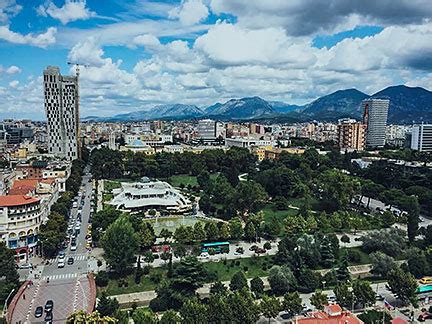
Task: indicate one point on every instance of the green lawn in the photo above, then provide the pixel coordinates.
(107, 197)
(109, 185)
(186, 179)
(364, 257)
(256, 267)
(145, 285)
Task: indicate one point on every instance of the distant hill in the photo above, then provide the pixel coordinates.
(342, 103)
(407, 104)
(244, 108)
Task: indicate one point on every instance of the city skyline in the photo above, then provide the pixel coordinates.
(143, 53)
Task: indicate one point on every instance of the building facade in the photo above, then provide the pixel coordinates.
(351, 135)
(421, 138)
(62, 112)
(375, 113)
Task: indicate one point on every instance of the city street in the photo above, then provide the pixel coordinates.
(67, 287)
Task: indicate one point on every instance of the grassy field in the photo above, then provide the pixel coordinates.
(145, 285)
(270, 213)
(185, 179)
(252, 267)
(109, 185)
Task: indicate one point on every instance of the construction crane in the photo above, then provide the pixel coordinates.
(77, 67)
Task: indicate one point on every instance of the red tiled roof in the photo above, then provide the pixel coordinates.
(16, 200)
(398, 320)
(23, 187)
(324, 318)
(335, 308)
(22, 190)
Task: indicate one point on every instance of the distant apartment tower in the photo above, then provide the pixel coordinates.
(62, 111)
(421, 138)
(209, 130)
(375, 113)
(351, 135)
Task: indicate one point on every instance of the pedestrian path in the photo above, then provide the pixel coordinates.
(62, 276)
(77, 257)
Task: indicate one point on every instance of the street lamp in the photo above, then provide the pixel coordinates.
(6, 302)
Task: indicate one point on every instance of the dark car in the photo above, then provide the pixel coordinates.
(253, 248)
(38, 311)
(260, 251)
(48, 317)
(70, 261)
(49, 305)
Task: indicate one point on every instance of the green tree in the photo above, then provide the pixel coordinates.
(382, 264)
(238, 281)
(343, 273)
(250, 233)
(165, 234)
(198, 232)
(319, 300)
(243, 307)
(146, 234)
(183, 234)
(418, 265)
(257, 286)
(142, 315)
(188, 276)
(270, 307)
(236, 228)
(193, 311)
(82, 317)
(224, 231)
(170, 317)
(7, 271)
(344, 296)
(363, 293)
(149, 257)
(281, 279)
(219, 310)
(249, 196)
(180, 251)
(292, 303)
(218, 288)
(120, 244)
(403, 285)
(327, 256)
(212, 231)
(107, 306)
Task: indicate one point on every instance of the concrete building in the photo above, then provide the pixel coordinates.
(351, 135)
(20, 218)
(146, 195)
(421, 138)
(209, 130)
(248, 142)
(62, 111)
(375, 113)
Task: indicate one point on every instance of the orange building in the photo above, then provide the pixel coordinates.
(351, 135)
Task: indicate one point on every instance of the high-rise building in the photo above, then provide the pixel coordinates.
(375, 117)
(62, 111)
(209, 130)
(421, 138)
(351, 134)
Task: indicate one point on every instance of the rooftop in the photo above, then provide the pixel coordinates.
(16, 200)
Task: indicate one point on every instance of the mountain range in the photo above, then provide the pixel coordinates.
(407, 105)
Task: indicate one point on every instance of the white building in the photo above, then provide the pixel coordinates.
(421, 139)
(209, 130)
(375, 113)
(146, 195)
(247, 142)
(62, 111)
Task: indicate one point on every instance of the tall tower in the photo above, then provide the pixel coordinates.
(375, 113)
(62, 111)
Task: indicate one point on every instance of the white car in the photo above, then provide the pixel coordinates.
(61, 264)
(73, 248)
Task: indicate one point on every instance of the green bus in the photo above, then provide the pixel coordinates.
(218, 247)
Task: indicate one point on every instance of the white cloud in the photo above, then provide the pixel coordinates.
(39, 40)
(87, 52)
(150, 42)
(13, 69)
(190, 12)
(14, 84)
(70, 11)
(8, 9)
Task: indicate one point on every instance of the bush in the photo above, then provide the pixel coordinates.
(245, 269)
(267, 245)
(102, 279)
(225, 261)
(237, 263)
(345, 238)
(354, 256)
(146, 270)
(156, 277)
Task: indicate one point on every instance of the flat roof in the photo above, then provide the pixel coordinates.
(215, 244)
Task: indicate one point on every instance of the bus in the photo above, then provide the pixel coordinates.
(424, 289)
(218, 247)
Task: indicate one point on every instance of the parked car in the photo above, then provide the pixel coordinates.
(48, 317)
(38, 312)
(61, 264)
(49, 305)
(240, 250)
(260, 251)
(70, 261)
(253, 248)
(73, 247)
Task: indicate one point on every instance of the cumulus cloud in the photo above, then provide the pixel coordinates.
(14, 84)
(190, 12)
(149, 41)
(305, 17)
(13, 69)
(8, 9)
(39, 40)
(70, 11)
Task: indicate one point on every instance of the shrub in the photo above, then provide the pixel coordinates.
(345, 238)
(267, 245)
(146, 270)
(354, 256)
(245, 269)
(102, 279)
(237, 263)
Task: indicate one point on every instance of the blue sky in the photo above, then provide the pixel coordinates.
(143, 53)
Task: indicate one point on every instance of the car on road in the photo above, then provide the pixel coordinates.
(73, 247)
(425, 280)
(61, 264)
(48, 317)
(49, 305)
(25, 266)
(70, 261)
(253, 248)
(61, 255)
(38, 312)
(260, 250)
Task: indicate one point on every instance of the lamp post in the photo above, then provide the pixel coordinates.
(6, 302)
